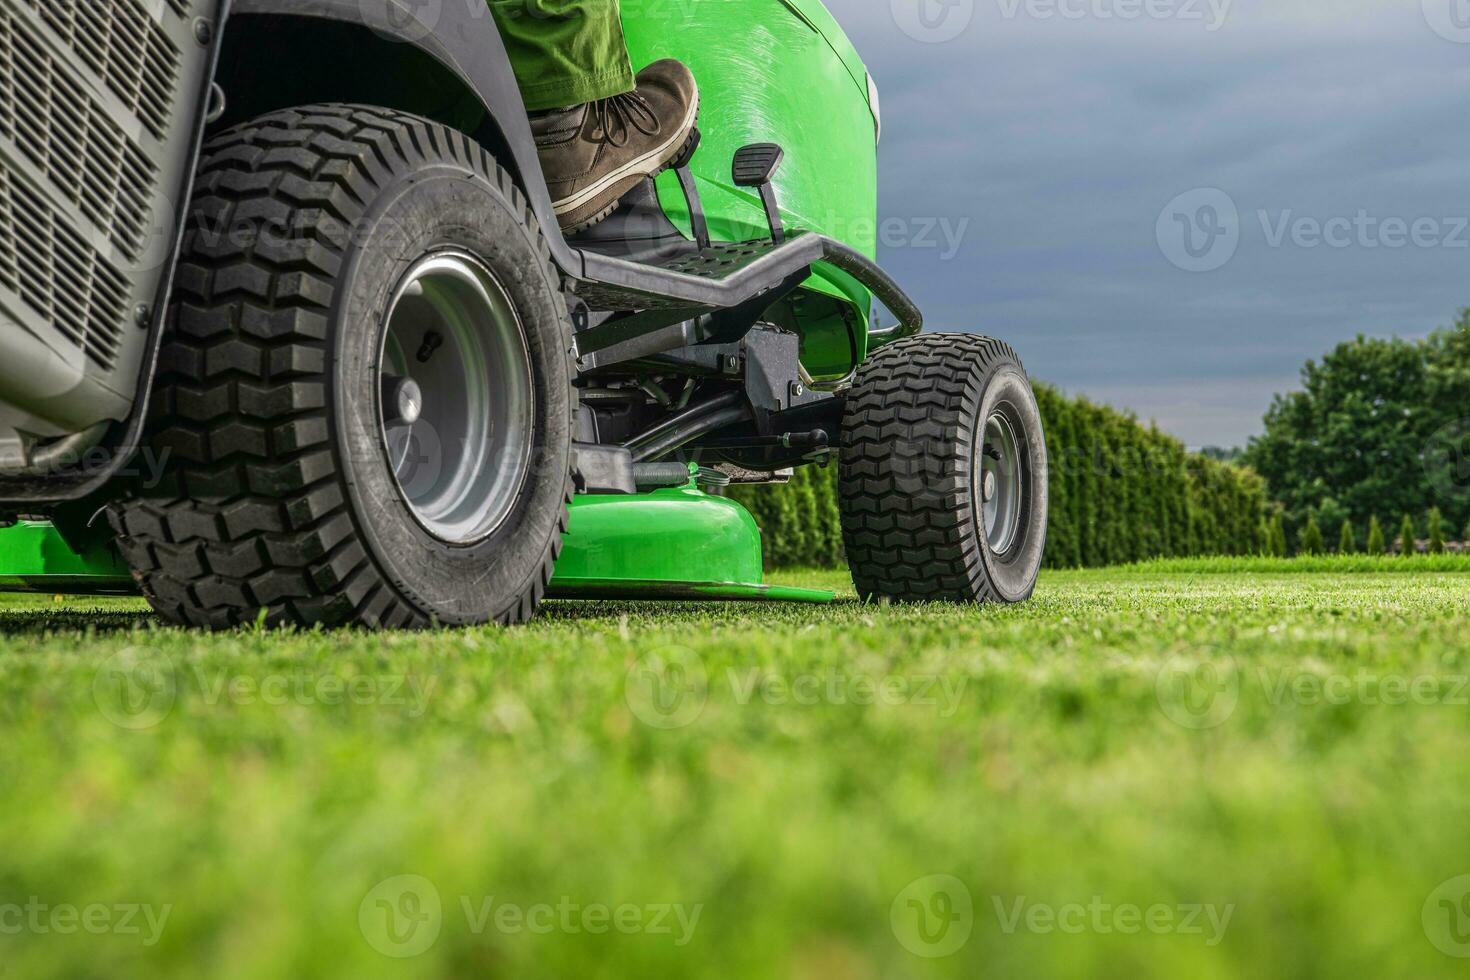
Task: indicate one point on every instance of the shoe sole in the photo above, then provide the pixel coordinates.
(631, 169)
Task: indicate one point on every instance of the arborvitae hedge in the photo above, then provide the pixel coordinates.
(1120, 492)
(1376, 543)
(1436, 531)
(1311, 538)
(1408, 539)
(1276, 537)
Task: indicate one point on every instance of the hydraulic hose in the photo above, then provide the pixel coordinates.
(679, 438)
(691, 420)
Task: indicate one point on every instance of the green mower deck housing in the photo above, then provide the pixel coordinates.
(307, 343)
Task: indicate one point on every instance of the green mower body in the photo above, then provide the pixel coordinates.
(793, 78)
(337, 365)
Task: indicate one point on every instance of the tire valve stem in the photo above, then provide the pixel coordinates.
(992, 453)
(433, 340)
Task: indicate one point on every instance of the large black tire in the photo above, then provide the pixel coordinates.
(910, 505)
(278, 499)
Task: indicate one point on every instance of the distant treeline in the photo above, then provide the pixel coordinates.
(1120, 492)
(1377, 434)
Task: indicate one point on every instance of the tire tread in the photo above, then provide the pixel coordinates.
(252, 516)
(903, 485)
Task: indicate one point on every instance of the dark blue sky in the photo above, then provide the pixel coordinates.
(1169, 205)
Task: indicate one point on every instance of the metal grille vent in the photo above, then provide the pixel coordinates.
(51, 120)
(180, 7)
(119, 41)
(56, 272)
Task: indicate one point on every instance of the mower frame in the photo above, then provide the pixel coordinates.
(674, 309)
(689, 355)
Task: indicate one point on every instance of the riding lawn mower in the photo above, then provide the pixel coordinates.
(291, 334)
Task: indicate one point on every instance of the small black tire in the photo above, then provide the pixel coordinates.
(278, 501)
(909, 493)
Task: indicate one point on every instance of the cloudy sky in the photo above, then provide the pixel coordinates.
(1169, 205)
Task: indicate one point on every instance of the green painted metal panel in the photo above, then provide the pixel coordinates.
(670, 544)
(35, 558)
(778, 71)
(661, 536)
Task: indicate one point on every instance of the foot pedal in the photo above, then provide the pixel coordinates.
(756, 166)
(698, 223)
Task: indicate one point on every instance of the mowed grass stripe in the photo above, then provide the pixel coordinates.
(1290, 748)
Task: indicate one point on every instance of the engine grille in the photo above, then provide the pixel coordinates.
(119, 41)
(52, 268)
(101, 107)
(52, 121)
(82, 83)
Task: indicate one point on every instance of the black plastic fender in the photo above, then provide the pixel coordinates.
(462, 36)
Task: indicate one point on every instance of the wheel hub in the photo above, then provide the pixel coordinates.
(1000, 477)
(456, 397)
(403, 401)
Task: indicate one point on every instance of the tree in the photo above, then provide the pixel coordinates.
(1310, 541)
(1436, 531)
(1376, 428)
(1347, 541)
(1278, 536)
(1376, 544)
(1408, 543)
(1351, 433)
(1331, 514)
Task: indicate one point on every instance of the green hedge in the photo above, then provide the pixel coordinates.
(799, 521)
(1120, 492)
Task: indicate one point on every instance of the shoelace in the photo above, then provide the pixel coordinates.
(618, 116)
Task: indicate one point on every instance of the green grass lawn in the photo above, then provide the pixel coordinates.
(1180, 770)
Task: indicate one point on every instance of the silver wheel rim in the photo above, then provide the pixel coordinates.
(455, 397)
(999, 477)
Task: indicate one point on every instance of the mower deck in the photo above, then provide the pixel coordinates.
(670, 544)
(35, 558)
(676, 544)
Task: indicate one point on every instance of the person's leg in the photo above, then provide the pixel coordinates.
(565, 52)
(600, 132)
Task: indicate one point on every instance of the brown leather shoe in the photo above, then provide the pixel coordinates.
(593, 154)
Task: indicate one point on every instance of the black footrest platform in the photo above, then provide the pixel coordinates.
(714, 264)
(725, 276)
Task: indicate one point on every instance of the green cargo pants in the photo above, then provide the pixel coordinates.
(564, 52)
